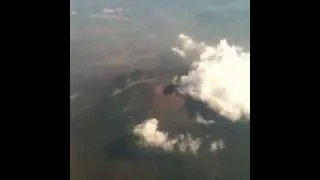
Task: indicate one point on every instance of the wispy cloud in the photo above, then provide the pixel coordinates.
(217, 145)
(74, 96)
(199, 119)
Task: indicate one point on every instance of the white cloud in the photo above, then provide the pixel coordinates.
(152, 137)
(178, 51)
(199, 119)
(219, 76)
(187, 142)
(217, 145)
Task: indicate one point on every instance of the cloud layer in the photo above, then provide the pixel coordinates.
(219, 76)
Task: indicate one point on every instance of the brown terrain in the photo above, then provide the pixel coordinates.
(165, 102)
(169, 109)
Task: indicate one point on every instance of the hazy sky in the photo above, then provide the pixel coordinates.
(209, 20)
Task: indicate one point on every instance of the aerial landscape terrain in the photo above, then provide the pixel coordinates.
(159, 89)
